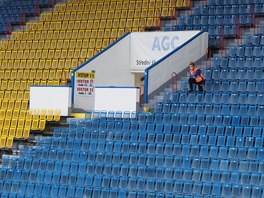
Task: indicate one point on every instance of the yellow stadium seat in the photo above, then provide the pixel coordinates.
(21, 123)
(26, 95)
(39, 74)
(100, 33)
(16, 45)
(45, 53)
(2, 73)
(26, 132)
(4, 64)
(13, 95)
(32, 74)
(72, 44)
(10, 84)
(11, 104)
(186, 3)
(7, 74)
(19, 132)
(84, 52)
(85, 16)
(48, 64)
(24, 104)
(13, 74)
(57, 114)
(41, 44)
(20, 95)
(119, 5)
(16, 64)
(7, 94)
(68, 63)
(43, 83)
(14, 54)
(17, 105)
(2, 93)
(1, 122)
(4, 84)
(87, 34)
(57, 53)
(2, 142)
(8, 54)
(9, 142)
(2, 114)
(54, 64)
(124, 14)
(12, 132)
(94, 34)
(66, 44)
(7, 123)
(23, 64)
(5, 131)
(29, 84)
(51, 54)
(14, 123)
(61, 63)
(52, 74)
(34, 124)
(41, 64)
(130, 14)
(23, 85)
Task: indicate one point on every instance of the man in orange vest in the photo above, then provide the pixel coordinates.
(196, 77)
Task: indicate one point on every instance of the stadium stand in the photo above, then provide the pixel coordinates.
(49, 48)
(193, 144)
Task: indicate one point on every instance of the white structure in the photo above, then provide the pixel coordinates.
(135, 52)
(116, 98)
(51, 97)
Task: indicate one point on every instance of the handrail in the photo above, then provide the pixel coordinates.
(208, 57)
(174, 78)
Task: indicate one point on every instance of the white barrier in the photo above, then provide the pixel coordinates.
(116, 98)
(51, 97)
(176, 61)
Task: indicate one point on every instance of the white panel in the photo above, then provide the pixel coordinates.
(116, 98)
(111, 69)
(51, 98)
(178, 61)
(148, 47)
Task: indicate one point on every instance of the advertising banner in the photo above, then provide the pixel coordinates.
(149, 47)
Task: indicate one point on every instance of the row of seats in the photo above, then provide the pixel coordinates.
(118, 5)
(182, 189)
(215, 21)
(10, 75)
(235, 86)
(164, 122)
(214, 98)
(185, 145)
(50, 54)
(100, 15)
(237, 62)
(232, 73)
(20, 38)
(156, 134)
(247, 51)
(219, 109)
(136, 173)
(228, 9)
(50, 64)
(48, 44)
(226, 2)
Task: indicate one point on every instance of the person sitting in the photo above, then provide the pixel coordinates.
(196, 77)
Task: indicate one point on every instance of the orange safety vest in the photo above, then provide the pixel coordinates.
(198, 78)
